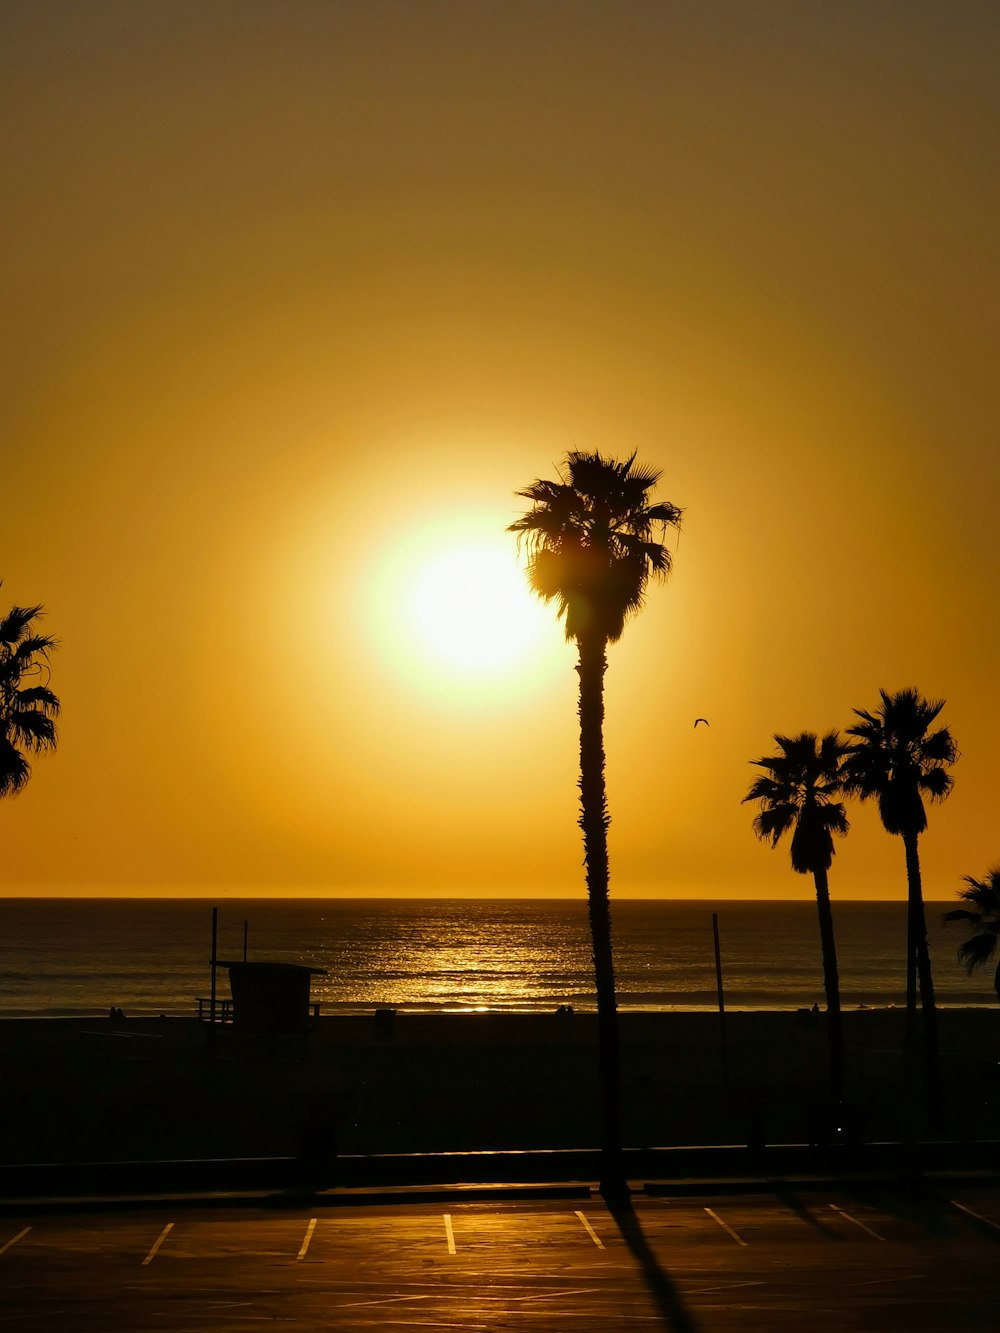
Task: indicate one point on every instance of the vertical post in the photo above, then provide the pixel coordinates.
(215, 940)
(722, 999)
(245, 926)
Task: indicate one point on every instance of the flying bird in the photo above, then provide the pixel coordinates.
(702, 719)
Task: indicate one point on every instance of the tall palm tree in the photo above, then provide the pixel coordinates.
(983, 915)
(592, 547)
(797, 792)
(27, 710)
(899, 758)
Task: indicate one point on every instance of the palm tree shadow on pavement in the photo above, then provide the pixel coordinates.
(805, 1214)
(676, 1317)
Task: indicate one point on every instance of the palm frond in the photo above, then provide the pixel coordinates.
(35, 731)
(16, 621)
(38, 695)
(773, 822)
(982, 916)
(984, 892)
(939, 747)
(977, 950)
(14, 768)
(665, 514)
(764, 787)
(834, 819)
(935, 783)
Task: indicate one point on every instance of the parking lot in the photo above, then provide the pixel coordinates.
(874, 1259)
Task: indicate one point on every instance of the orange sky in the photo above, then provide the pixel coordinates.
(298, 294)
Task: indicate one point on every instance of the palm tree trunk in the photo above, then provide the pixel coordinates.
(920, 953)
(594, 821)
(831, 984)
(911, 969)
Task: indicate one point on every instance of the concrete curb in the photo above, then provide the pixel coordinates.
(488, 1174)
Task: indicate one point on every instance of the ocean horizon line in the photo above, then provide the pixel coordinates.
(221, 898)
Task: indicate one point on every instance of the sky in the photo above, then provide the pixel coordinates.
(298, 295)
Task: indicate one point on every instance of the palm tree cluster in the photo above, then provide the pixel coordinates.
(594, 539)
(898, 757)
(28, 708)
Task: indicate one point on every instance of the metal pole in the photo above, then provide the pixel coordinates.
(722, 999)
(215, 940)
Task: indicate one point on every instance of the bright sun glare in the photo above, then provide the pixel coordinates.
(470, 608)
(450, 611)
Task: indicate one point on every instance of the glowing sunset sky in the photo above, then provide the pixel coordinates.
(297, 295)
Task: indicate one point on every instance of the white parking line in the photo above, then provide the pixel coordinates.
(590, 1231)
(14, 1239)
(157, 1243)
(449, 1234)
(726, 1227)
(306, 1239)
(844, 1213)
(978, 1216)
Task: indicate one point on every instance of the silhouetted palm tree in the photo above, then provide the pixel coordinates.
(899, 758)
(983, 915)
(797, 792)
(27, 711)
(591, 547)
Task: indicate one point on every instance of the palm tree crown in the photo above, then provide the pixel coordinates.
(591, 543)
(983, 915)
(796, 791)
(27, 711)
(898, 759)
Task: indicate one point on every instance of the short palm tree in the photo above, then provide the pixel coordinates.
(899, 759)
(797, 793)
(28, 708)
(592, 547)
(983, 915)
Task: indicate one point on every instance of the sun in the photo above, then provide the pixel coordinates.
(449, 613)
(469, 608)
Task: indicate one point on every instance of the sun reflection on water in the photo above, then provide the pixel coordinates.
(453, 960)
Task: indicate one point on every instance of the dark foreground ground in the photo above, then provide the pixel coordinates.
(872, 1261)
(85, 1090)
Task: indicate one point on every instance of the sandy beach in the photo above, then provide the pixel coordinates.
(79, 1090)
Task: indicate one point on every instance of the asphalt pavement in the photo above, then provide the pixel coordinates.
(870, 1258)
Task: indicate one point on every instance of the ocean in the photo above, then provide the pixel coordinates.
(151, 956)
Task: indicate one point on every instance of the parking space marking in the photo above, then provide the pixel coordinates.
(449, 1234)
(844, 1213)
(978, 1216)
(306, 1239)
(725, 1226)
(14, 1239)
(157, 1243)
(590, 1231)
